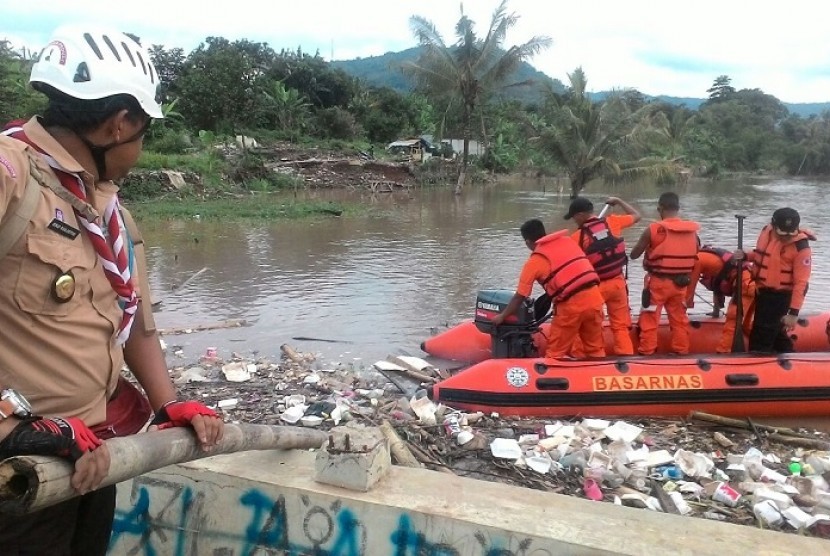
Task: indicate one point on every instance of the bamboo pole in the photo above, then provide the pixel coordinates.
(397, 446)
(29, 483)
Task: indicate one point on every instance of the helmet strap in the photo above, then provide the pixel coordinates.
(99, 152)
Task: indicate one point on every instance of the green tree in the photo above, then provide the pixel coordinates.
(721, 89)
(284, 108)
(470, 69)
(219, 84)
(17, 98)
(169, 66)
(583, 137)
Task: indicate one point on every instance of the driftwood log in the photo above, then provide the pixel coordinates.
(29, 483)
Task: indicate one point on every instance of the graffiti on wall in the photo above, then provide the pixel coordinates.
(171, 518)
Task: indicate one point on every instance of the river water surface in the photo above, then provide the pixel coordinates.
(380, 284)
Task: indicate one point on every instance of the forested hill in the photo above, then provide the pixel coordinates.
(384, 71)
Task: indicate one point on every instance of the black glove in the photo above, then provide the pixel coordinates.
(67, 438)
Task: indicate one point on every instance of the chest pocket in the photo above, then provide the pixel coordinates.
(49, 256)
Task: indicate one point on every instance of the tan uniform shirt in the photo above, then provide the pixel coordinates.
(62, 356)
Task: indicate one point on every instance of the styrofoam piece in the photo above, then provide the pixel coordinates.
(596, 424)
(464, 437)
(796, 517)
(659, 457)
(552, 428)
(416, 362)
(680, 503)
(293, 414)
(236, 372)
(623, 431)
(781, 500)
(528, 439)
(384, 365)
(229, 403)
(767, 512)
(638, 454)
(505, 448)
(311, 420)
(540, 464)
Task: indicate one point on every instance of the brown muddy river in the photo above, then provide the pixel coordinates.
(379, 285)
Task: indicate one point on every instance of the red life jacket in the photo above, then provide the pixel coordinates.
(605, 250)
(571, 271)
(724, 281)
(677, 253)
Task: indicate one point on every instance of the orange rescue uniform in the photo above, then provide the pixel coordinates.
(669, 260)
(561, 268)
(614, 290)
(708, 268)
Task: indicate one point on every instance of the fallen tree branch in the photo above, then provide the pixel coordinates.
(400, 451)
(202, 327)
(29, 483)
(742, 424)
(813, 443)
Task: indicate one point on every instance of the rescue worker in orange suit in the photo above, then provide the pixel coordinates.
(670, 246)
(562, 269)
(717, 271)
(602, 241)
(782, 262)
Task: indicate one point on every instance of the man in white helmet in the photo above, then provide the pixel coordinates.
(71, 287)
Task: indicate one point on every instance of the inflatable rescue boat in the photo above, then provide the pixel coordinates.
(510, 378)
(474, 340)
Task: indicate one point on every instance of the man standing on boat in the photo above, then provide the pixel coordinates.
(601, 239)
(562, 269)
(73, 303)
(782, 264)
(670, 246)
(717, 271)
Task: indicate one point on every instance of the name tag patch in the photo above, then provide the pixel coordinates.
(63, 228)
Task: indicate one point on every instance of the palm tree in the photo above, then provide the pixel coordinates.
(596, 140)
(470, 69)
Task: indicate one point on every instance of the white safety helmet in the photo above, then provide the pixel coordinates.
(90, 63)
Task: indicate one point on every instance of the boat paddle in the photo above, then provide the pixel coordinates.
(738, 337)
(604, 211)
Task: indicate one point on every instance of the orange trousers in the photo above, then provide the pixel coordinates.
(580, 317)
(615, 294)
(666, 294)
(725, 345)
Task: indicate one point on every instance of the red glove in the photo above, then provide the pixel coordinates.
(180, 414)
(69, 438)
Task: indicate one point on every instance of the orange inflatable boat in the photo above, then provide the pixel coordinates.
(738, 385)
(508, 376)
(466, 343)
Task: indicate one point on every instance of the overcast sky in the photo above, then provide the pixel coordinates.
(671, 48)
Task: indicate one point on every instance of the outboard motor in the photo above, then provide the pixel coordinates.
(514, 337)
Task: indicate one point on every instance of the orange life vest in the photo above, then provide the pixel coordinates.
(724, 281)
(777, 276)
(605, 250)
(677, 253)
(571, 271)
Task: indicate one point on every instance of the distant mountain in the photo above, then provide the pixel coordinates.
(384, 71)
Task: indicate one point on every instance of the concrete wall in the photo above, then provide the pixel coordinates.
(266, 503)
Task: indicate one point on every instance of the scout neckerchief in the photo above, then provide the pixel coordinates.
(107, 241)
